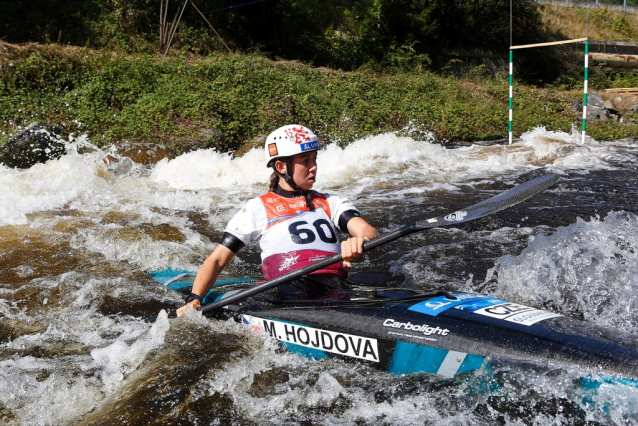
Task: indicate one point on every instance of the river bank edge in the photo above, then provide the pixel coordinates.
(186, 102)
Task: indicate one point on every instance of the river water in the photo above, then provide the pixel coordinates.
(87, 337)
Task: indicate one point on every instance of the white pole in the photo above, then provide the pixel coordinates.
(511, 74)
(511, 94)
(585, 91)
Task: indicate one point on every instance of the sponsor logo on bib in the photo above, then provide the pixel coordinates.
(316, 258)
(288, 262)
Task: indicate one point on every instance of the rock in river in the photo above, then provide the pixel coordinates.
(37, 143)
(141, 153)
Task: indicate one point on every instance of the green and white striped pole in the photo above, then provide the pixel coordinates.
(585, 91)
(511, 91)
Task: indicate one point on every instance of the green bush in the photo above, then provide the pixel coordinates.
(224, 101)
(342, 34)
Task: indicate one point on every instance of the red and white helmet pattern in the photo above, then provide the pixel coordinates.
(290, 140)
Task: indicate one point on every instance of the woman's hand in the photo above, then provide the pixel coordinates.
(351, 249)
(361, 232)
(193, 304)
(207, 274)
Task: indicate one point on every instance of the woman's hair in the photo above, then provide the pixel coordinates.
(274, 182)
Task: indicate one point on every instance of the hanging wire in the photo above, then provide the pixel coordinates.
(175, 28)
(232, 7)
(210, 25)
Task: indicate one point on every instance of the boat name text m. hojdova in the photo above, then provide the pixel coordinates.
(316, 338)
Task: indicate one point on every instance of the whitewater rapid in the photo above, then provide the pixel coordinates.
(85, 333)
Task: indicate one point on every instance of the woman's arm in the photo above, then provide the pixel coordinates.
(207, 275)
(361, 231)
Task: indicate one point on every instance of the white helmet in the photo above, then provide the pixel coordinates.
(290, 140)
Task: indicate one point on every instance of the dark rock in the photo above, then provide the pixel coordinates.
(141, 153)
(595, 100)
(118, 166)
(601, 113)
(577, 105)
(611, 106)
(85, 148)
(258, 142)
(37, 143)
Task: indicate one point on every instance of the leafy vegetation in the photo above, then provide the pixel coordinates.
(604, 24)
(98, 70)
(341, 34)
(223, 101)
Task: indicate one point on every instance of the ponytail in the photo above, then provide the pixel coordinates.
(274, 182)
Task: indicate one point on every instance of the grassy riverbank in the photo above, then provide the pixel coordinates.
(604, 24)
(223, 101)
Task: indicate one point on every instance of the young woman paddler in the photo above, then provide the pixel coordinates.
(297, 226)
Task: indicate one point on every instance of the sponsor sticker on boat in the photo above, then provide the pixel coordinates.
(439, 304)
(507, 311)
(425, 329)
(316, 338)
(483, 305)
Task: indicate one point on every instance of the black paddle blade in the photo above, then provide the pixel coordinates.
(495, 204)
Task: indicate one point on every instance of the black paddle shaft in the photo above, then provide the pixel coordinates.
(492, 205)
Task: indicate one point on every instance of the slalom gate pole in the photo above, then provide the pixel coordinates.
(585, 91)
(511, 69)
(511, 92)
(552, 43)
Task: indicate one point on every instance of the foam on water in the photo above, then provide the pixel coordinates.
(119, 359)
(332, 392)
(587, 269)
(387, 159)
(116, 243)
(311, 387)
(384, 165)
(209, 169)
(57, 399)
(73, 385)
(106, 213)
(48, 186)
(618, 403)
(85, 183)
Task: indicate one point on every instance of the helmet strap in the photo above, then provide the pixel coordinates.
(288, 178)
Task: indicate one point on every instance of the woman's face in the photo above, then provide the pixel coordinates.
(304, 169)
